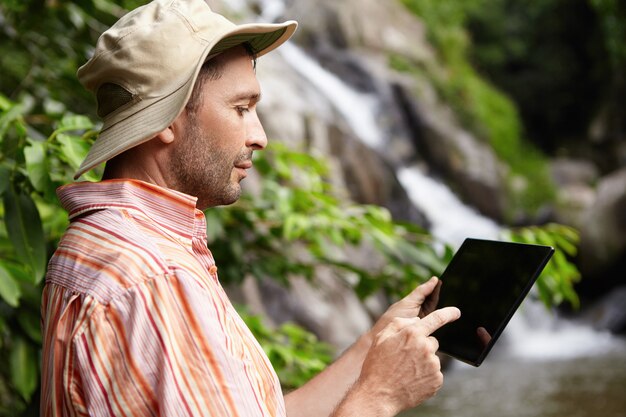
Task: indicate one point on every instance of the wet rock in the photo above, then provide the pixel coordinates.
(608, 313)
(575, 181)
(603, 226)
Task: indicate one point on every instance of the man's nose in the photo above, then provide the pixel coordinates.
(255, 134)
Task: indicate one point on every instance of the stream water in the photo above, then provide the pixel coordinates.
(510, 386)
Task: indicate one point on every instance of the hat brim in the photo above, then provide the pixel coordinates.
(125, 132)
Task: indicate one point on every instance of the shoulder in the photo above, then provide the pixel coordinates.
(105, 253)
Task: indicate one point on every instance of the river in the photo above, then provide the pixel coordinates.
(510, 385)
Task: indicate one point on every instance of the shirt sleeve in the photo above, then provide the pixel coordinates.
(166, 348)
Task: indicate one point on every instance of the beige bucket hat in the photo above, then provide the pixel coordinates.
(144, 68)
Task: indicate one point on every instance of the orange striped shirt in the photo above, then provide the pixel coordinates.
(135, 321)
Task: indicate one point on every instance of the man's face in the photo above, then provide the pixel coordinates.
(215, 150)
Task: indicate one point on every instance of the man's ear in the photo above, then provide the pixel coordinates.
(174, 130)
(166, 136)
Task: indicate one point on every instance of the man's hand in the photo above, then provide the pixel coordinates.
(391, 367)
(419, 303)
(401, 369)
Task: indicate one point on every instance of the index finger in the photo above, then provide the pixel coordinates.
(438, 319)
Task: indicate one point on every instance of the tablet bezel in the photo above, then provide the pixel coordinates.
(446, 344)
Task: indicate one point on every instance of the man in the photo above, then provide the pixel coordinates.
(135, 321)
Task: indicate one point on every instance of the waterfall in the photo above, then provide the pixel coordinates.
(271, 10)
(533, 333)
(357, 109)
(451, 220)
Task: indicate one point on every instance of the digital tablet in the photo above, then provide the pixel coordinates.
(487, 280)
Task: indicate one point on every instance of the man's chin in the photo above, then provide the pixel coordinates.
(225, 199)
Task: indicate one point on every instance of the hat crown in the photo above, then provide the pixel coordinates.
(154, 49)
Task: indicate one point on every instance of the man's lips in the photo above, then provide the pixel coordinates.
(244, 164)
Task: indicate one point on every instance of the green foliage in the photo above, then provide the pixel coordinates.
(613, 20)
(296, 354)
(298, 223)
(489, 113)
(556, 282)
(44, 42)
(557, 74)
(31, 167)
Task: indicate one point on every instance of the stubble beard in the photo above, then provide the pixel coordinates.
(204, 171)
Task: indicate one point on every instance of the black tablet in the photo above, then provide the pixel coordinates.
(487, 280)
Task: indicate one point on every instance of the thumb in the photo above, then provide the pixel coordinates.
(420, 293)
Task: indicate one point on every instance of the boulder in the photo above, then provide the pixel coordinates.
(608, 312)
(575, 181)
(603, 226)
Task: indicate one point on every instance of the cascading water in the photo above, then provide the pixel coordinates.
(341, 96)
(536, 335)
(451, 220)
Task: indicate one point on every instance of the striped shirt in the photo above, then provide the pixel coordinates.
(135, 321)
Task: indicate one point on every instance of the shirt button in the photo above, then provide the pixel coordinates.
(213, 270)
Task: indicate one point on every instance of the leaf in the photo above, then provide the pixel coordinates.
(74, 122)
(74, 149)
(23, 363)
(37, 165)
(25, 230)
(5, 103)
(13, 112)
(9, 288)
(565, 245)
(4, 178)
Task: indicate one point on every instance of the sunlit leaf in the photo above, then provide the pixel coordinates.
(5, 103)
(12, 112)
(24, 369)
(74, 149)
(37, 165)
(74, 123)
(9, 288)
(565, 245)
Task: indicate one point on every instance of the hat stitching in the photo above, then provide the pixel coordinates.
(189, 23)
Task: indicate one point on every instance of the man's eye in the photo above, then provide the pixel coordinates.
(241, 110)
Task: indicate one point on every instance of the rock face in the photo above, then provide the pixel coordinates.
(331, 91)
(348, 25)
(596, 206)
(608, 312)
(341, 36)
(604, 222)
(399, 117)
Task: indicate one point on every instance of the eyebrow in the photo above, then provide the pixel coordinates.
(256, 97)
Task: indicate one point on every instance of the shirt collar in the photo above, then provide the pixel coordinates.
(172, 210)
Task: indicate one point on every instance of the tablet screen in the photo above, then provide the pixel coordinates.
(487, 280)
